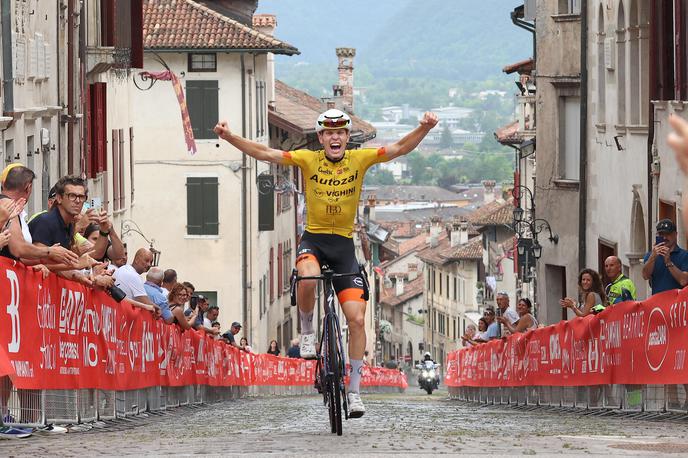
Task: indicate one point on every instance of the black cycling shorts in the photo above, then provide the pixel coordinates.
(339, 254)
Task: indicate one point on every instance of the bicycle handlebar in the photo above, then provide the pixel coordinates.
(325, 276)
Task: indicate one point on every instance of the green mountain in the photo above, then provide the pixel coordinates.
(456, 40)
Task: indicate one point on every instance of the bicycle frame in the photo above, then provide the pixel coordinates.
(331, 364)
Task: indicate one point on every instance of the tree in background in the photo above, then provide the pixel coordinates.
(446, 140)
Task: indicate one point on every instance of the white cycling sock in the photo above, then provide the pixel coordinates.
(306, 322)
(355, 376)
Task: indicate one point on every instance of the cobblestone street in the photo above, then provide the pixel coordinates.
(394, 424)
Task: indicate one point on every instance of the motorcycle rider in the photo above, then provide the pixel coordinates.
(426, 365)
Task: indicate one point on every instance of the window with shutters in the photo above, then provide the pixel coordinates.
(286, 264)
(272, 276)
(279, 269)
(201, 99)
(261, 108)
(116, 190)
(121, 26)
(202, 206)
(97, 122)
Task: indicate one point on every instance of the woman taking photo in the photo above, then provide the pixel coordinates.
(590, 294)
(526, 320)
(176, 299)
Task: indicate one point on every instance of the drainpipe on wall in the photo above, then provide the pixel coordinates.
(526, 26)
(70, 86)
(58, 48)
(7, 64)
(583, 178)
(244, 209)
(652, 178)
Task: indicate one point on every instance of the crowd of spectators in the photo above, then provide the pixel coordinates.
(75, 239)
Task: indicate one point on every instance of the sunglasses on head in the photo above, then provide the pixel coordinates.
(336, 123)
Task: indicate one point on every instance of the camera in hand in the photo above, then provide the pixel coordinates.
(116, 293)
(193, 302)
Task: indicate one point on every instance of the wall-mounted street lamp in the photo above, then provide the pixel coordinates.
(131, 226)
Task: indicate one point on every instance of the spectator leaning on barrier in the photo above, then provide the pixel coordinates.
(176, 299)
(128, 279)
(273, 348)
(526, 321)
(216, 326)
(294, 351)
(155, 293)
(17, 184)
(200, 303)
(481, 335)
(168, 281)
(233, 331)
(243, 344)
(504, 308)
(211, 315)
(592, 298)
(467, 338)
(492, 324)
(620, 287)
(666, 266)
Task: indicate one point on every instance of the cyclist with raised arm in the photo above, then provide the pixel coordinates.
(334, 177)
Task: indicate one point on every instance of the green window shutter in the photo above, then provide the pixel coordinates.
(201, 100)
(210, 206)
(194, 206)
(210, 110)
(266, 203)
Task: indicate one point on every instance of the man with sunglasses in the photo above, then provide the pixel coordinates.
(334, 176)
(17, 184)
(55, 228)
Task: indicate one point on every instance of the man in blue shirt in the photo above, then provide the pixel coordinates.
(666, 266)
(153, 289)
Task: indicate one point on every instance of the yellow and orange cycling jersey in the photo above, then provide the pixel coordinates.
(333, 188)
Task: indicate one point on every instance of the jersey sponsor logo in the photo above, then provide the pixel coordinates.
(358, 281)
(334, 181)
(342, 193)
(334, 210)
(325, 171)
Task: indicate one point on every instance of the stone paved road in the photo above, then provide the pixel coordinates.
(395, 424)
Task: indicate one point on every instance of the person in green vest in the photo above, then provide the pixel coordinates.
(620, 288)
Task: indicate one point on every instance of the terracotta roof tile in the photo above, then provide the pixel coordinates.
(297, 110)
(502, 214)
(473, 249)
(411, 289)
(508, 135)
(523, 67)
(186, 24)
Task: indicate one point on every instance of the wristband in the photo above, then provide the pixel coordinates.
(104, 234)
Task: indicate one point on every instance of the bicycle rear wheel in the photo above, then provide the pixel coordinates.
(335, 375)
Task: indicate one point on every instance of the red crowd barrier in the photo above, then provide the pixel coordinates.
(56, 334)
(629, 343)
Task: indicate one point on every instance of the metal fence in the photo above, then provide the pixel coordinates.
(40, 407)
(629, 398)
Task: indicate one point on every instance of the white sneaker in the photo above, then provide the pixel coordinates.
(356, 407)
(307, 346)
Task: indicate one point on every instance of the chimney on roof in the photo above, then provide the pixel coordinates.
(412, 271)
(371, 206)
(344, 90)
(459, 233)
(489, 186)
(265, 23)
(400, 286)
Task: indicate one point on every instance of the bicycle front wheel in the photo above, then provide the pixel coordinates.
(334, 379)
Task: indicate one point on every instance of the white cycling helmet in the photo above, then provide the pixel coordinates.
(333, 119)
(427, 355)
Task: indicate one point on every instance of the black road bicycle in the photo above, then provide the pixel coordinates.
(331, 363)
